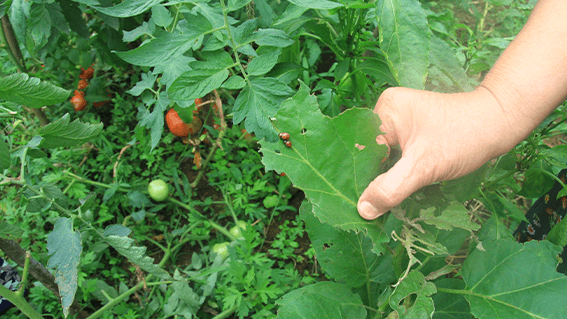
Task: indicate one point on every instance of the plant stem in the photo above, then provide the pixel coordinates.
(88, 181)
(20, 302)
(202, 217)
(226, 313)
(24, 275)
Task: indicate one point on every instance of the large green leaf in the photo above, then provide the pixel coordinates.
(128, 8)
(512, 280)
(450, 306)
(258, 102)
(161, 49)
(347, 257)
(136, 254)
(323, 300)
(64, 247)
(29, 91)
(63, 133)
(422, 304)
(331, 160)
(443, 57)
(404, 37)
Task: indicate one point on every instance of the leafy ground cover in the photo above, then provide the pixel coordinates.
(74, 179)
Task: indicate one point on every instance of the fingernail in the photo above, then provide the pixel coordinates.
(367, 211)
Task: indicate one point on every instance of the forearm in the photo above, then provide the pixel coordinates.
(529, 80)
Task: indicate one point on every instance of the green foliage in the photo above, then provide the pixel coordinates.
(23, 89)
(321, 300)
(311, 68)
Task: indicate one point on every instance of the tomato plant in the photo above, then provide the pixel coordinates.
(241, 82)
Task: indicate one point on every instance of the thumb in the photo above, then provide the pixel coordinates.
(389, 189)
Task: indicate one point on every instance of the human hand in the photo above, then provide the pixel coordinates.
(442, 137)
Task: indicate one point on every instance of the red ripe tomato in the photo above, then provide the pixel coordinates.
(78, 102)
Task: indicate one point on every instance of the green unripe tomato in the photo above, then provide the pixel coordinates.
(221, 249)
(237, 230)
(158, 190)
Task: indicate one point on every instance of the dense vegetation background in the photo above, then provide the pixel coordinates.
(85, 86)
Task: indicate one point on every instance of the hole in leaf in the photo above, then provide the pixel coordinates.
(360, 147)
(326, 246)
(303, 131)
(278, 152)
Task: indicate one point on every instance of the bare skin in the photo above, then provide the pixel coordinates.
(446, 136)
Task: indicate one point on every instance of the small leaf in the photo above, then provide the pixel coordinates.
(234, 82)
(316, 4)
(161, 16)
(4, 155)
(422, 306)
(136, 254)
(147, 28)
(29, 91)
(9, 231)
(258, 102)
(147, 82)
(272, 37)
(127, 8)
(537, 182)
(323, 300)
(117, 230)
(64, 247)
(160, 49)
(263, 63)
(63, 133)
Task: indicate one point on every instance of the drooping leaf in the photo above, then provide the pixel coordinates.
(136, 254)
(64, 247)
(29, 91)
(345, 256)
(4, 155)
(63, 133)
(9, 231)
(128, 8)
(404, 37)
(422, 304)
(258, 102)
(323, 300)
(147, 82)
(331, 160)
(456, 215)
(512, 280)
(38, 27)
(147, 28)
(316, 4)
